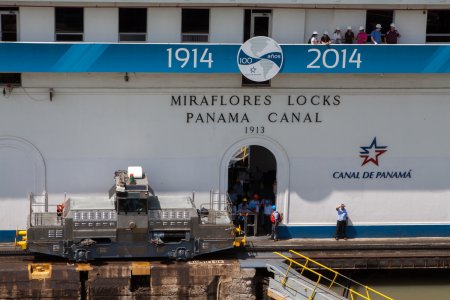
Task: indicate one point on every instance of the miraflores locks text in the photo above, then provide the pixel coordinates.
(301, 108)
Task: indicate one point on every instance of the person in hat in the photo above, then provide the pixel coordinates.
(275, 219)
(342, 217)
(361, 37)
(325, 39)
(392, 35)
(349, 35)
(242, 212)
(267, 213)
(314, 39)
(337, 36)
(375, 35)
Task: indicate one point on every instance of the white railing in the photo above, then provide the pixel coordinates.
(42, 214)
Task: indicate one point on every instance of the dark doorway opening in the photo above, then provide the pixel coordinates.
(252, 174)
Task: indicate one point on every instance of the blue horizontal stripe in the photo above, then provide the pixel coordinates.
(360, 231)
(219, 58)
(373, 231)
(7, 236)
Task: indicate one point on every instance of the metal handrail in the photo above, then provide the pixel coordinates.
(219, 204)
(332, 281)
(254, 225)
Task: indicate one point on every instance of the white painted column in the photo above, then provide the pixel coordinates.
(412, 26)
(36, 24)
(353, 18)
(226, 25)
(288, 26)
(101, 25)
(164, 25)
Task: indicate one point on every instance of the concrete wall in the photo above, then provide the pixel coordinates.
(84, 135)
(328, 20)
(164, 25)
(37, 24)
(101, 25)
(412, 25)
(344, 18)
(318, 20)
(226, 25)
(288, 26)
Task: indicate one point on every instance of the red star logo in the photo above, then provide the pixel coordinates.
(372, 152)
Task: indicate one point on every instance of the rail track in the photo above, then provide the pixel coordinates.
(254, 257)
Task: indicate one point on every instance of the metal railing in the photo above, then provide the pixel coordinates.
(41, 213)
(218, 210)
(306, 266)
(248, 220)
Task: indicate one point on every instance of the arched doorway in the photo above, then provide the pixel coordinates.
(252, 175)
(274, 170)
(253, 170)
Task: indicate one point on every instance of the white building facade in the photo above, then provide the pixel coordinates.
(378, 141)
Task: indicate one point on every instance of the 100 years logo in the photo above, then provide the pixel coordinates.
(260, 58)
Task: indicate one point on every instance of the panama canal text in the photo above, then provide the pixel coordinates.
(302, 108)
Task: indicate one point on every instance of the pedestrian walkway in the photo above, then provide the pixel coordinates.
(301, 277)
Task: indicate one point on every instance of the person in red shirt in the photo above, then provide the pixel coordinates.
(361, 37)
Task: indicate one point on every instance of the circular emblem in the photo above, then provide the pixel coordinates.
(260, 58)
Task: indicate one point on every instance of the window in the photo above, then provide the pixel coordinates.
(8, 25)
(133, 205)
(195, 25)
(132, 24)
(69, 25)
(10, 79)
(438, 26)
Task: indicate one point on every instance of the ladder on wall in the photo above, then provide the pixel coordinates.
(290, 281)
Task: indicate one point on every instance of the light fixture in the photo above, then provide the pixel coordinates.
(51, 93)
(126, 77)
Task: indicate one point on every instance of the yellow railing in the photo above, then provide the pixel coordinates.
(320, 277)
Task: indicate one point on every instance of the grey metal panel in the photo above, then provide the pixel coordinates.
(84, 234)
(134, 237)
(170, 202)
(90, 203)
(132, 220)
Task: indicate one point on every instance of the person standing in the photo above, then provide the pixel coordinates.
(267, 213)
(275, 219)
(375, 35)
(337, 36)
(342, 217)
(314, 39)
(361, 37)
(349, 35)
(392, 35)
(325, 39)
